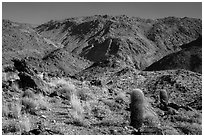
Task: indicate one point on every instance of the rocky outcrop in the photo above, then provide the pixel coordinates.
(136, 41)
(20, 40)
(189, 58)
(84, 70)
(23, 42)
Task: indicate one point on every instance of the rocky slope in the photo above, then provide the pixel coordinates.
(21, 41)
(75, 76)
(71, 107)
(136, 41)
(189, 58)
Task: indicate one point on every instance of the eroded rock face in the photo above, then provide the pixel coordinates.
(65, 44)
(20, 40)
(190, 58)
(27, 75)
(98, 58)
(133, 40)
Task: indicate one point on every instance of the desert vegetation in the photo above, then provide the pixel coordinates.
(98, 75)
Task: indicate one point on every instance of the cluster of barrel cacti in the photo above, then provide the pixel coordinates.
(137, 106)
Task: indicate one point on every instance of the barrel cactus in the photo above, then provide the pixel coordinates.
(137, 109)
(163, 98)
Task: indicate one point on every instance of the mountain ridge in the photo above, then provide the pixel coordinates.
(75, 76)
(140, 39)
(190, 58)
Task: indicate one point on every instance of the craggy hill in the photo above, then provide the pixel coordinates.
(22, 41)
(76, 76)
(135, 41)
(189, 58)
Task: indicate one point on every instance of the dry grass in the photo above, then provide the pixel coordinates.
(150, 116)
(120, 98)
(28, 93)
(43, 104)
(25, 123)
(29, 105)
(64, 88)
(112, 120)
(16, 126)
(151, 120)
(76, 104)
(5, 110)
(10, 126)
(189, 116)
(4, 76)
(15, 86)
(70, 86)
(11, 110)
(62, 82)
(53, 100)
(100, 111)
(83, 94)
(190, 128)
(77, 111)
(65, 92)
(9, 76)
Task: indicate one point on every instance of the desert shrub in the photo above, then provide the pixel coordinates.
(11, 110)
(112, 120)
(169, 130)
(65, 92)
(47, 88)
(70, 86)
(100, 111)
(25, 124)
(17, 110)
(109, 102)
(120, 98)
(150, 120)
(4, 76)
(15, 86)
(137, 108)
(188, 116)
(83, 94)
(29, 105)
(10, 127)
(77, 111)
(42, 103)
(87, 109)
(28, 93)
(150, 116)
(64, 83)
(190, 128)
(53, 100)
(76, 104)
(5, 110)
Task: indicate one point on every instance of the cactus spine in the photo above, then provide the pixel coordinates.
(137, 108)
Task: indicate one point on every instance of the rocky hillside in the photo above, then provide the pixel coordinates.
(76, 76)
(21, 41)
(136, 41)
(44, 105)
(189, 58)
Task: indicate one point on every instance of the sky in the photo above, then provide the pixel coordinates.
(41, 12)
